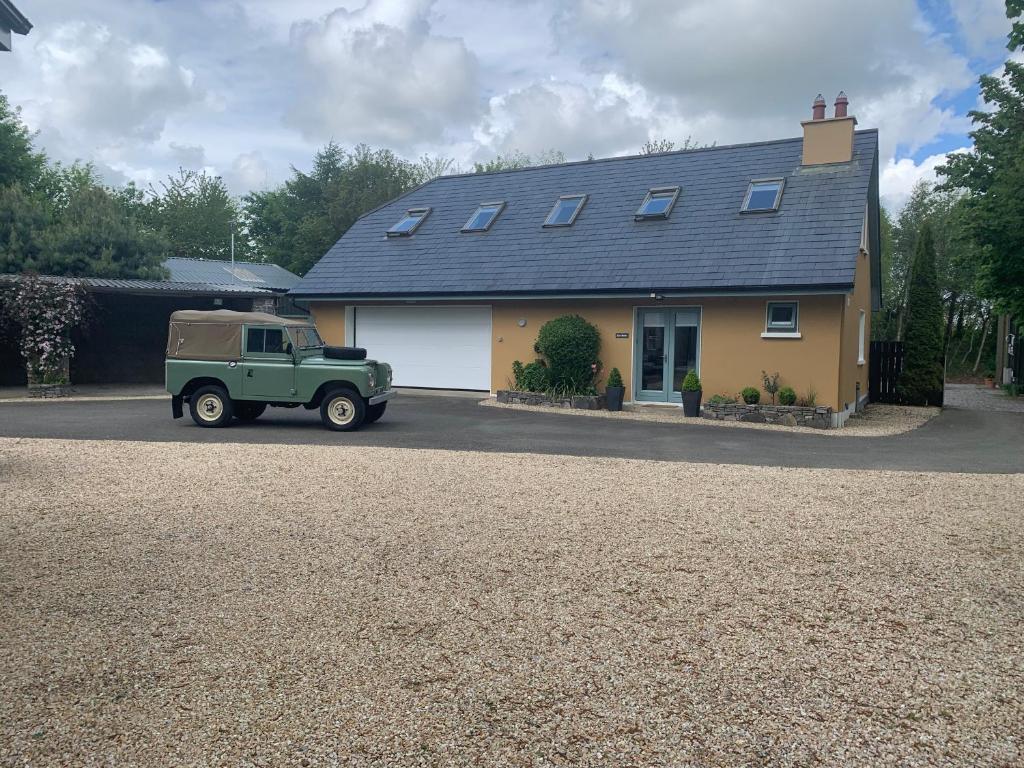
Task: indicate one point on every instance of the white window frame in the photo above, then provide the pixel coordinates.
(861, 328)
(582, 198)
(750, 191)
(499, 204)
(789, 331)
(641, 216)
(392, 232)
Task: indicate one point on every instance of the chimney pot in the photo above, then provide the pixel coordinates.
(841, 104)
(818, 108)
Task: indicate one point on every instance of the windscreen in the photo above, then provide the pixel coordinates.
(306, 338)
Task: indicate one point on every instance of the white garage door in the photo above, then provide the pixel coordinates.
(443, 347)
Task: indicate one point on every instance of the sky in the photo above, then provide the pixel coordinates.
(247, 89)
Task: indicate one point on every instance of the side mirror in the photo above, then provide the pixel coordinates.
(288, 348)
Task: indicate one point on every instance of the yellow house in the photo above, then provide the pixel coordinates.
(729, 260)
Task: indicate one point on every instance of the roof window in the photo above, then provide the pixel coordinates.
(483, 218)
(409, 222)
(658, 203)
(566, 209)
(763, 195)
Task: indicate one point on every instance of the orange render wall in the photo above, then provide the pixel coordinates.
(850, 371)
(732, 352)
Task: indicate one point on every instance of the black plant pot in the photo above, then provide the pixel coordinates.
(691, 402)
(614, 395)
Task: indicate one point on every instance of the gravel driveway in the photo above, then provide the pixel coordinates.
(178, 604)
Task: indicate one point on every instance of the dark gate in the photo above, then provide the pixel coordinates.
(884, 370)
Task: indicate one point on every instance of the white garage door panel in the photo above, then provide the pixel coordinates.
(443, 347)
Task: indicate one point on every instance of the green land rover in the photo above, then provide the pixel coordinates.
(234, 364)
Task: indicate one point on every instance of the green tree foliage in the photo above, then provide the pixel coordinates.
(516, 159)
(655, 146)
(571, 345)
(295, 224)
(922, 378)
(195, 214)
(19, 162)
(992, 175)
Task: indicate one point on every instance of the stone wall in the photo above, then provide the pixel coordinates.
(585, 402)
(819, 417)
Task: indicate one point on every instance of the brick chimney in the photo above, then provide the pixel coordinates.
(828, 140)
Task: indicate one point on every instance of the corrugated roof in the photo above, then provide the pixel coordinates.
(706, 244)
(156, 287)
(241, 273)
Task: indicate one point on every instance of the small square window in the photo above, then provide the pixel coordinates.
(263, 340)
(408, 223)
(484, 217)
(782, 317)
(565, 211)
(658, 203)
(763, 195)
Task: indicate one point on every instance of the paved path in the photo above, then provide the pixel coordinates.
(958, 440)
(978, 398)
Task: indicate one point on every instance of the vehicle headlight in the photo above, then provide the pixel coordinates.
(372, 378)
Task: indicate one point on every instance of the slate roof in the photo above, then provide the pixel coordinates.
(243, 273)
(705, 245)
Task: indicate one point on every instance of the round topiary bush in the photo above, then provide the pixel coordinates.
(787, 396)
(751, 395)
(570, 345)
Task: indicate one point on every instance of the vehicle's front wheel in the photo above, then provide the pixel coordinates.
(343, 410)
(374, 412)
(246, 410)
(210, 406)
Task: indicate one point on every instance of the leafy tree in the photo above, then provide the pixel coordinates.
(922, 378)
(992, 174)
(19, 162)
(24, 219)
(295, 224)
(196, 214)
(516, 159)
(654, 146)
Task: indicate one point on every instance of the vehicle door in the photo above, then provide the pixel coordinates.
(268, 365)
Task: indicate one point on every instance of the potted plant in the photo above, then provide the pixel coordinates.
(692, 394)
(990, 378)
(614, 390)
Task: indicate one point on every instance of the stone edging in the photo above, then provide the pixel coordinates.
(583, 402)
(818, 417)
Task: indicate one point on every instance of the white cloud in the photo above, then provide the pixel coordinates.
(380, 75)
(898, 177)
(248, 172)
(983, 23)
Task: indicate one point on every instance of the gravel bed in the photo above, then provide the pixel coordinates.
(975, 397)
(877, 420)
(177, 604)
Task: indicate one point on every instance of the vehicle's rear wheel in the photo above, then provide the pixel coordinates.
(374, 412)
(210, 406)
(343, 410)
(246, 410)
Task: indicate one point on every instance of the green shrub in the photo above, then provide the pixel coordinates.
(518, 382)
(809, 400)
(614, 378)
(787, 396)
(691, 383)
(751, 395)
(570, 345)
(770, 383)
(721, 400)
(921, 381)
(536, 377)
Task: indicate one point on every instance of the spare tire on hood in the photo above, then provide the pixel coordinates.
(345, 353)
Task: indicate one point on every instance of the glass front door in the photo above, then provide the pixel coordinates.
(667, 348)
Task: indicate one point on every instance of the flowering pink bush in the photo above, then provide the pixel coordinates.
(45, 312)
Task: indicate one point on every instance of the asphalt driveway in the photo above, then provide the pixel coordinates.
(958, 440)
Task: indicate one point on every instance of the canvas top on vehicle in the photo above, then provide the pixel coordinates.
(216, 334)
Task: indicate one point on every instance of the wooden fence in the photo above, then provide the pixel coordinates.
(885, 368)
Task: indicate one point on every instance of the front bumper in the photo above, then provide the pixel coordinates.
(383, 397)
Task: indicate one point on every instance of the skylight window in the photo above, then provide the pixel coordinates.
(763, 195)
(565, 211)
(408, 223)
(658, 203)
(483, 218)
